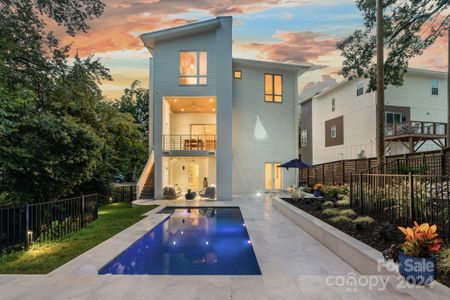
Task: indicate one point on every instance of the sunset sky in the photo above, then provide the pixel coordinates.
(296, 31)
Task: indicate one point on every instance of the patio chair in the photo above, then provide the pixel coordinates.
(209, 192)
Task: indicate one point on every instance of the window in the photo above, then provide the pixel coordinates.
(359, 88)
(193, 67)
(333, 104)
(304, 138)
(333, 132)
(434, 87)
(393, 118)
(237, 74)
(273, 88)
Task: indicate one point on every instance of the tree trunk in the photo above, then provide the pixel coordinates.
(379, 123)
(448, 89)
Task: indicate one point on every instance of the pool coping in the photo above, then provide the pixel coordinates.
(91, 261)
(360, 256)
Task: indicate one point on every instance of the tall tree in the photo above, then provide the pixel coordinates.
(379, 119)
(410, 26)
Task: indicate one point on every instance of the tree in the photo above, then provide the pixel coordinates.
(409, 28)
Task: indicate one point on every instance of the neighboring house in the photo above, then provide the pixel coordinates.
(339, 123)
(217, 120)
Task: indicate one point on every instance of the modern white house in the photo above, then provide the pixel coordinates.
(217, 121)
(339, 122)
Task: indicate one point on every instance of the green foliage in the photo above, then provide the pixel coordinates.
(443, 260)
(409, 27)
(327, 204)
(345, 201)
(296, 195)
(350, 213)
(331, 212)
(341, 220)
(361, 223)
(386, 232)
(59, 136)
(403, 168)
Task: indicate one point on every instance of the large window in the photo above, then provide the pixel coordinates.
(359, 88)
(434, 87)
(273, 88)
(393, 118)
(304, 138)
(193, 67)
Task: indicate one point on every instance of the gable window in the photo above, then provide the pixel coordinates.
(237, 74)
(393, 118)
(273, 88)
(333, 104)
(333, 132)
(434, 87)
(359, 88)
(193, 67)
(304, 138)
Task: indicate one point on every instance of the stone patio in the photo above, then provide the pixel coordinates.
(294, 266)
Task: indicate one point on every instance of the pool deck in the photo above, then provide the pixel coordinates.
(293, 265)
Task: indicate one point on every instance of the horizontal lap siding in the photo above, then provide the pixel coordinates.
(262, 132)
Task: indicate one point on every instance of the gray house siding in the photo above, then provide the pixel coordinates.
(262, 131)
(306, 123)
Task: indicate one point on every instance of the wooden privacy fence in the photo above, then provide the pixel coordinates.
(401, 199)
(22, 224)
(338, 172)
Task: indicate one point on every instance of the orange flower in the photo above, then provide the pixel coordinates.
(420, 240)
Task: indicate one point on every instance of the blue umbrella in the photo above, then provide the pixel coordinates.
(296, 164)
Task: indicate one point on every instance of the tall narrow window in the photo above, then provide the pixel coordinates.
(237, 74)
(193, 67)
(304, 138)
(333, 104)
(434, 87)
(273, 88)
(333, 132)
(359, 88)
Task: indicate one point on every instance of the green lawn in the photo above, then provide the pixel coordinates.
(42, 258)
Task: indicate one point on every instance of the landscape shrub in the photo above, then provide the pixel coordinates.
(443, 261)
(350, 213)
(361, 223)
(341, 220)
(331, 212)
(327, 204)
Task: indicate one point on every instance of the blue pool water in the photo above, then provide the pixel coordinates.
(192, 241)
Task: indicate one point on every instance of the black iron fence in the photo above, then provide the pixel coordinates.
(121, 193)
(21, 225)
(403, 198)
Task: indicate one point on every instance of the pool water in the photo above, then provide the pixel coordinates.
(192, 241)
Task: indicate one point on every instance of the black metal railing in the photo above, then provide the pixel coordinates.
(21, 225)
(403, 198)
(121, 193)
(189, 142)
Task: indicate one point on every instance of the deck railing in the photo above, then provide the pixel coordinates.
(189, 142)
(416, 128)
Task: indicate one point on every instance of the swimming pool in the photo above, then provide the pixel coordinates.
(192, 241)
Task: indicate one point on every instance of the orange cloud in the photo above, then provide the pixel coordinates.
(295, 47)
(435, 57)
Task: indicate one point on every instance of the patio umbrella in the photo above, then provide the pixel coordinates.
(296, 164)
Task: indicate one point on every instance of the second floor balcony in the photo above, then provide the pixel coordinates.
(189, 142)
(416, 128)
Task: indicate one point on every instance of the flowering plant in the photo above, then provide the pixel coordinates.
(318, 186)
(421, 240)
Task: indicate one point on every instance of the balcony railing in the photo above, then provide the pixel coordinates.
(416, 128)
(189, 142)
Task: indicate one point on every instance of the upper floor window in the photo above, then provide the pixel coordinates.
(333, 132)
(193, 67)
(237, 74)
(333, 104)
(359, 88)
(434, 87)
(304, 138)
(273, 88)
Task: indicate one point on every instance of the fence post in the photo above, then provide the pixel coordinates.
(123, 193)
(323, 173)
(131, 193)
(360, 193)
(27, 226)
(343, 171)
(411, 198)
(82, 211)
(443, 163)
(351, 190)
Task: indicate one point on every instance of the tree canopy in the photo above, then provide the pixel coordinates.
(410, 26)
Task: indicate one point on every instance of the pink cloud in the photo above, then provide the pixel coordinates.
(313, 87)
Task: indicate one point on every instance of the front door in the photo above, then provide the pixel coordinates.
(272, 176)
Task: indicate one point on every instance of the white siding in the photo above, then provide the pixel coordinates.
(262, 131)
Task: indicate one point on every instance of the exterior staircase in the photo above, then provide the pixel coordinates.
(148, 191)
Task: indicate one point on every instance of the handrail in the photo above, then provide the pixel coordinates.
(144, 175)
(416, 127)
(189, 142)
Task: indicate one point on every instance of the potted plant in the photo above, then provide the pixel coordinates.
(416, 257)
(190, 195)
(317, 189)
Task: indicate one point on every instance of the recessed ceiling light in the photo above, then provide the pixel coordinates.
(174, 100)
(182, 109)
(210, 100)
(214, 109)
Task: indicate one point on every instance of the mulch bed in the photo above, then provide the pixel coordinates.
(367, 236)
